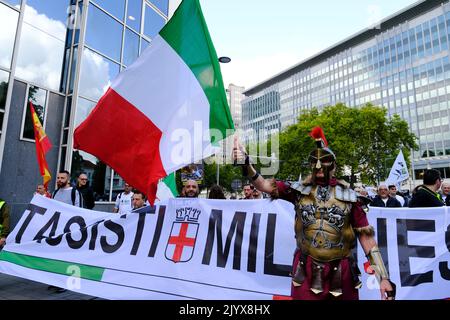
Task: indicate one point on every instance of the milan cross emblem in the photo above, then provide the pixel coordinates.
(181, 243)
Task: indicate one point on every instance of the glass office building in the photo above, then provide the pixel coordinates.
(62, 55)
(402, 63)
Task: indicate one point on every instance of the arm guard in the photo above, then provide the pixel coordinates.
(376, 261)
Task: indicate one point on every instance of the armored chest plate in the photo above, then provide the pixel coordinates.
(322, 225)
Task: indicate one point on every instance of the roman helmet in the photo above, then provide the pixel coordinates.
(322, 157)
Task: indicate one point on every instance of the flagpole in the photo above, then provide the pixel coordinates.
(413, 175)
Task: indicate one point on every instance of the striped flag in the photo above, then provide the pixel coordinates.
(167, 188)
(165, 110)
(43, 145)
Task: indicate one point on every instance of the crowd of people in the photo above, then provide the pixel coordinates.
(434, 192)
(314, 249)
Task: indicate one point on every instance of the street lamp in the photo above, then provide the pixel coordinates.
(221, 60)
(224, 59)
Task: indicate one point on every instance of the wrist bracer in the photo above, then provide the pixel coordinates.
(376, 262)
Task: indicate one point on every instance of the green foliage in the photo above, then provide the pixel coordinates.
(363, 139)
(227, 173)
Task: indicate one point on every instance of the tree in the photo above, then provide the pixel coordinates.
(363, 139)
(227, 173)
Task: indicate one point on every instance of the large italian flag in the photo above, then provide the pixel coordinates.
(159, 113)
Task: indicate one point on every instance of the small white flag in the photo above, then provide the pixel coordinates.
(399, 171)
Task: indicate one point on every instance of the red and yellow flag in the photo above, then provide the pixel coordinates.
(43, 144)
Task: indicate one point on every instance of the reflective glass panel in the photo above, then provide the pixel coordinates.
(15, 3)
(103, 33)
(68, 111)
(4, 79)
(2, 114)
(8, 26)
(38, 97)
(84, 107)
(73, 68)
(97, 72)
(114, 7)
(42, 40)
(40, 58)
(144, 44)
(162, 5)
(153, 22)
(131, 49)
(52, 13)
(65, 71)
(98, 173)
(134, 14)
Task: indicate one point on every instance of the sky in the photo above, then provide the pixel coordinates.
(266, 37)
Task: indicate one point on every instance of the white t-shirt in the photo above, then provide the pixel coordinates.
(123, 202)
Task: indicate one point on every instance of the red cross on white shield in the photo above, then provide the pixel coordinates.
(181, 243)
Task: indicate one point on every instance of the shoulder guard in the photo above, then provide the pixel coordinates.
(301, 188)
(345, 194)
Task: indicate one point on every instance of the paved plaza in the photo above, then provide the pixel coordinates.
(14, 288)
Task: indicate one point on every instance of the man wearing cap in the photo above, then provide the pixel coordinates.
(329, 217)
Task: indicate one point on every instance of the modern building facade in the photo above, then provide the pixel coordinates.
(62, 55)
(403, 64)
(234, 96)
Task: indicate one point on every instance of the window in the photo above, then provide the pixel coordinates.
(144, 44)
(162, 5)
(98, 171)
(103, 33)
(97, 72)
(153, 22)
(131, 47)
(134, 14)
(15, 3)
(115, 7)
(41, 51)
(4, 78)
(84, 107)
(38, 97)
(9, 18)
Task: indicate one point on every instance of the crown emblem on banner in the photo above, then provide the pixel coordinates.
(187, 214)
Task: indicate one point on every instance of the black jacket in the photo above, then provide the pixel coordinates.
(88, 197)
(424, 197)
(391, 203)
(447, 200)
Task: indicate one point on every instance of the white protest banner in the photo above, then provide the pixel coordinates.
(415, 245)
(180, 249)
(210, 249)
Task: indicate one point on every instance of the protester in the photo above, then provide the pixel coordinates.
(248, 191)
(445, 192)
(328, 217)
(216, 192)
(383, 199)
(191, 189)
(257, 194)
(86, 191)
(124, 203)
(65, 192)
(139, 200)
(426, 194)
(394, 194)
(40, 189)
(4, 222)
